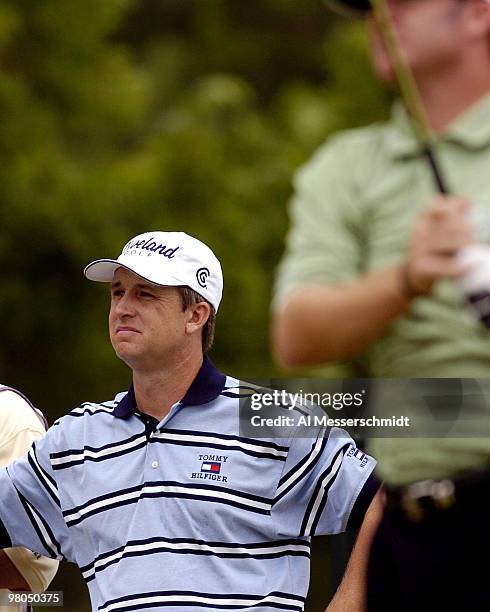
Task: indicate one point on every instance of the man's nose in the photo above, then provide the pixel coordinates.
(125, 306)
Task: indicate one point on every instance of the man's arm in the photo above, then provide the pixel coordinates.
(30, 510)
(351, 594)
(320, 323)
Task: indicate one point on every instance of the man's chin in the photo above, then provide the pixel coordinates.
(126, 352)
(131, 361)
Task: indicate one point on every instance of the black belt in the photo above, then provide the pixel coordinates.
(419, 500)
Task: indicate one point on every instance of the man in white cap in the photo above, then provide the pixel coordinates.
(20, 424)
(157, 495)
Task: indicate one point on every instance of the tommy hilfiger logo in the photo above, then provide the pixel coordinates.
(210, 468)
(358, 454)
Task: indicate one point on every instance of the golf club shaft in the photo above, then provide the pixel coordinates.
(408, 89)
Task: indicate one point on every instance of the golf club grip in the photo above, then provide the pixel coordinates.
(436, 171)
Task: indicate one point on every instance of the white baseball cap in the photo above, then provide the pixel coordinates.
(167, 259)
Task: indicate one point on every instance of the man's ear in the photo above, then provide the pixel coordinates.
(198, 314)
(479, 18)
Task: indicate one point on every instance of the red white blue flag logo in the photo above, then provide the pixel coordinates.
(211, 466)
(359, 454)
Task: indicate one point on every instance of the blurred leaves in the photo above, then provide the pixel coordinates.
(123, 116)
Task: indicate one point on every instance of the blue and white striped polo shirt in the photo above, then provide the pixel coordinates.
(185, 513)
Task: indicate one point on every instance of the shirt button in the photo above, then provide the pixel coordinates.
(154, 464)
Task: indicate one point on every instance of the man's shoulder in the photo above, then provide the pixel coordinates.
(235, 388)
(90, 410)
(349, 149)
(366, 135)
(267, 411)
(89, 423)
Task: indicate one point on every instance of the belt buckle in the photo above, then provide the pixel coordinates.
(441, 492)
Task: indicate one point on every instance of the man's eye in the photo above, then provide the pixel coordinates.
(146, 294)
(117, 293)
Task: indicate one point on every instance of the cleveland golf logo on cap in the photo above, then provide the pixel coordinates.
(151, 246)
(168, 259)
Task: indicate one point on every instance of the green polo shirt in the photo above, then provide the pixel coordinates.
(354, 206)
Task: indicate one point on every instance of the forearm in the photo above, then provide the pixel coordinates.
(10, 577)
(351, 594)
(325, 323)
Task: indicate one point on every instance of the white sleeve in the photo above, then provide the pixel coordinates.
(19, 428)
(37, 571)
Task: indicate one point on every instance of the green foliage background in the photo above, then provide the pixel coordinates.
(123, 116)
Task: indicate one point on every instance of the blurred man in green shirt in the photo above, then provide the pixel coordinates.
(370, 271)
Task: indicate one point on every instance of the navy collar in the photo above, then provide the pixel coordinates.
(207, 385)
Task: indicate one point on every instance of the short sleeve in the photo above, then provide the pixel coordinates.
(326, 481)
(324, 243)
(30, 511)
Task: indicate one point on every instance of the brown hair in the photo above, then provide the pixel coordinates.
(191, 297)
